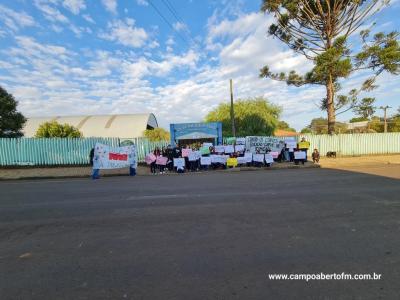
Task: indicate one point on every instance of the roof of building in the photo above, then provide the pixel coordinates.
(280, 132)
(122, 126)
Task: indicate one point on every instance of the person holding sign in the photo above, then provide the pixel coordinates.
(304, 146)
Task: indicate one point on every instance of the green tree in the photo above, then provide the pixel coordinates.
(320, 30)
(285, 126)
(320, 126)
(358, 119)
(376, 124)
(56, 130)
(11, 121)
(255, 116)
(365, 109)
(157, 134)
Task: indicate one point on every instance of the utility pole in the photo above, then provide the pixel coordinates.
(232, 111)
(384, 108)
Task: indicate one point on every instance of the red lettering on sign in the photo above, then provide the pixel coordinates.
(117, 156)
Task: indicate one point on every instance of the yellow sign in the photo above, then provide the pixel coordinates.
(232, 162)
(304, 145)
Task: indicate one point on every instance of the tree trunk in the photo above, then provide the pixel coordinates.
(330, 106)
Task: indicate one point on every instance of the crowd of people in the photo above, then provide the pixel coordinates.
(163, 160)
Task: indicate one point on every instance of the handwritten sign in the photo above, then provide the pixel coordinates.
(194, 155)
(221, 159)
(106, 157)
(291, 144)
(299, 155)
(248, 156)
(229, 149)
(205, 161)
(239, 148)
(161, 160)
(263, 144)
(242, 160)
(269, 159)
(186, 152)
(274, 154)
(179, 163)
(219, 149)
(258, 158)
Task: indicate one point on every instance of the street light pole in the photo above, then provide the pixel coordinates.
(232, 111)
(384, 108)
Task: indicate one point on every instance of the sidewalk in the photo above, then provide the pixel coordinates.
(381, 165)
(71, 172)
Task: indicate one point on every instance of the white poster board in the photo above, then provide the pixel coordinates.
(229, 149)
(262, 144)
(219, 149)
(205, 161)
(179, 163)
(258, 158)
(248, 156)
(194, 155)
(269, 159)
(242, 160)
(106, 157)
(221, 159)
(239, 148)
(299, 155)
(240, 141)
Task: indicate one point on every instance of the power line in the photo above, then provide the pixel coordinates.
(166, 21)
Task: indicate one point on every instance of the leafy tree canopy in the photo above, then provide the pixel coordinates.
(285, 126)
(255, 116)
(320, 126)
(157, 134)
(11, 121)
(57, 130)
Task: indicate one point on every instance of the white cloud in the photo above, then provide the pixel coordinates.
(50, 13)
(15, 20)
(125, 33)
(142, 2)
(75, 6)
(110, 5)
(179, 26)
(88, 18)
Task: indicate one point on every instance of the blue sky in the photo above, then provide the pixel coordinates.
(76, 57)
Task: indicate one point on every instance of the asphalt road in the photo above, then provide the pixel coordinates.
(205, 236)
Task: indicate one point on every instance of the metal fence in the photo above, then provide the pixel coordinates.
(352, 144)
(62, 151)
(54, 151)
(356, 144)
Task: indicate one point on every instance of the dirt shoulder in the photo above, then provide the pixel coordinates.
(381, 165)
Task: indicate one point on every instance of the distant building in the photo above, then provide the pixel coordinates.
(285, 133)
(188, 133)
(121, 126)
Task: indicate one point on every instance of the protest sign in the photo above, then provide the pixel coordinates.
(291, 144)
(194, 155)
(299, 155)
(263, 144)
(229, 149)
(269, 159)
(232, 162)
(258, 158)
(248, 156)
(274, 154)
(242, 160)
(207, 145)
(150, 158)
(179, 163)
(186, 152)
(205, 161)
(161, 160)
(106, 157)
(219, 149)
(240, 141)
(205, 150)
(221, 159)
(239, 148)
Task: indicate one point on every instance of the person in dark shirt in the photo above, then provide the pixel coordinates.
(315, 156)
